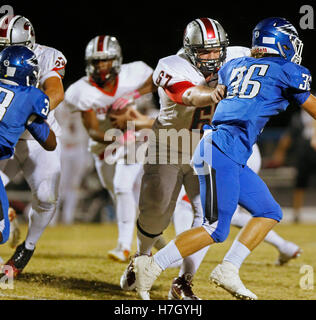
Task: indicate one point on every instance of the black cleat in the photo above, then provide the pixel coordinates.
(19, 260)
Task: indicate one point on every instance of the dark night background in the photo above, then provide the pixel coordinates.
(151, 30)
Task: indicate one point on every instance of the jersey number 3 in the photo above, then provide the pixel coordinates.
(244, 86)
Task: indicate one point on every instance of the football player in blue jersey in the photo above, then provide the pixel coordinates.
(22, 106)
(257, 88)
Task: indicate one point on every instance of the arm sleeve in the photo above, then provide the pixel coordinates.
(39, 129)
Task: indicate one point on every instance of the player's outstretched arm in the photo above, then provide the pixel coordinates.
(310, 105)
(202, 96)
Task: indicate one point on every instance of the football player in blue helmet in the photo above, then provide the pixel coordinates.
(278, 36)
(258, 87)
(22, 107)
(19, 65)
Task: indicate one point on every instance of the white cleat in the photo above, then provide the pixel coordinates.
(119, 254)
(128, 281)
(146, 272)
(289, 251)
(226, 275)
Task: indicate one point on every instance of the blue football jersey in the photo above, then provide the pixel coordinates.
(256, 90)
(17, 104)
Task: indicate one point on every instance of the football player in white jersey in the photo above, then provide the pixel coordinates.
(40, 168)
(169, 167)
(109, 84)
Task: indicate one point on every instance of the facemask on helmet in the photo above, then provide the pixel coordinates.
(16, 30)
(103, 48)
(202, 36)
(278, 36)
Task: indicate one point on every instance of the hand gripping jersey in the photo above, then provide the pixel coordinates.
(256, 90)
(172, 75)
(18, 103)
(52, 64)
(83, 95)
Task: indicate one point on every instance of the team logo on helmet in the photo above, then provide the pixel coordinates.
(32, 61)
(287, 29)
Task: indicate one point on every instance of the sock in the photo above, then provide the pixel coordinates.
(126, 214)
(37, 224)
(273, 238)
(192, 263)
(237, 254)
(167, 255)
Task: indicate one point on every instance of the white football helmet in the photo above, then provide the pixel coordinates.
(16, 30)
(205, 33)
(103, 47)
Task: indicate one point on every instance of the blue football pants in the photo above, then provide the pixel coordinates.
(223, 185)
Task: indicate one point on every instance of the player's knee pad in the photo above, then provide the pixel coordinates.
(46, 196)
(149, 234)
(155, 220)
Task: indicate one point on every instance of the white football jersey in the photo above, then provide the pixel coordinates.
(176, 70)
(52, 64)
(84, 96)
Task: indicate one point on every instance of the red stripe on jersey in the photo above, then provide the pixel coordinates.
(209, 28)
(176, 90)
(100, 43)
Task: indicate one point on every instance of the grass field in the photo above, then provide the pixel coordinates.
(70, 262)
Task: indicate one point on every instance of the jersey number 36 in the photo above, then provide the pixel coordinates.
(244, 86)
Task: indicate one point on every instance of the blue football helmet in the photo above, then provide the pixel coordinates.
(278, 36)
(19, 65)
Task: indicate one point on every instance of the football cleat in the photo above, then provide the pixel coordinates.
(181, 288)
(226, 276)
(119, 254)
(128, 280)
(146, 272)
(15, 232)
(20, 259)
(289, 251)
